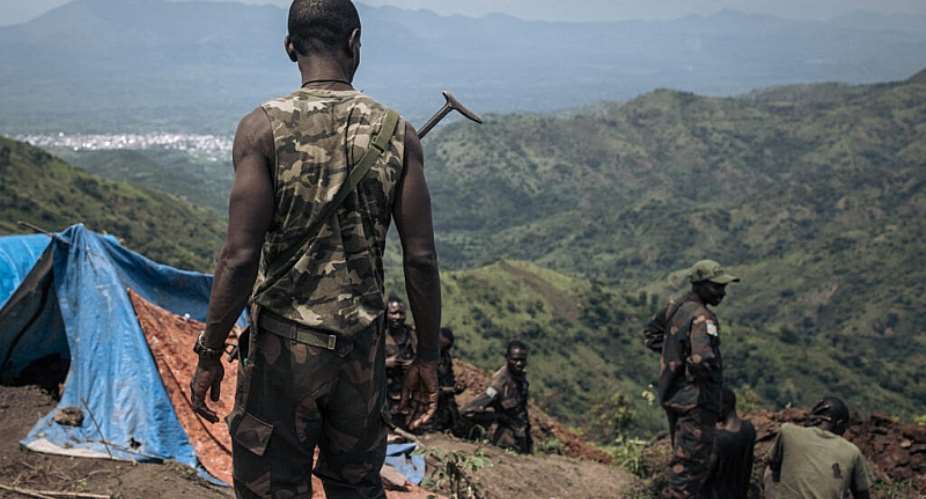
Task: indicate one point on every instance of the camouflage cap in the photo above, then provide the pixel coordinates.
(709, 270)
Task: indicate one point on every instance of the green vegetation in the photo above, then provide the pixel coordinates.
(814, 194)
(200, 181)
(38, 188)
(453, 470)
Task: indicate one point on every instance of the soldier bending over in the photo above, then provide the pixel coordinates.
(815, 462)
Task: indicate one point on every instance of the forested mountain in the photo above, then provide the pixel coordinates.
(815, 194)
(154, 65)
(40, 189)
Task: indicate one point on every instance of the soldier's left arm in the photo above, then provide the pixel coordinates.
(412, 213)
(702, 362)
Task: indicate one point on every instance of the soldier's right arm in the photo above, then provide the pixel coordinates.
(250, 213)
(482, 401)
(776, 457)
(412, 213)
(702, 361)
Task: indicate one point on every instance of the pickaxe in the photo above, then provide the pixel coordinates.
(452, 104)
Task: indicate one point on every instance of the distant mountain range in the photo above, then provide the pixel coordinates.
(141, 65)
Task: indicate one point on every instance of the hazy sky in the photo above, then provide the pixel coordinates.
(16, 11)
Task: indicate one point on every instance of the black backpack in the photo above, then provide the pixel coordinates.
(654, 334)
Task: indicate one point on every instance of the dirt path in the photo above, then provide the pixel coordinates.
(21, 407)
(537, 477)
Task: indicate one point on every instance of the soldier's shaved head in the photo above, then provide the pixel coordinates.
(515, 344)
(321, 25)
(832, 414)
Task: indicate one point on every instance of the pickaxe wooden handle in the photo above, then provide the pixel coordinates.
(451, 104)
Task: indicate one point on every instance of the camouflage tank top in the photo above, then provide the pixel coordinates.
(335, 280)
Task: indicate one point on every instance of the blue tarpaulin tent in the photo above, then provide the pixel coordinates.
(65, 297)
(74, 305)
(17, 257)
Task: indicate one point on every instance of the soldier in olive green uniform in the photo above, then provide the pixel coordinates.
(504, 403)
(305, 247)
(691, 375)
(816, 461)
(400, 354)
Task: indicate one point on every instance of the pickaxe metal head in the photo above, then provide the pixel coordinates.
(451, 104)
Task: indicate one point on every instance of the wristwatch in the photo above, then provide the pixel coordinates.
(203, 351)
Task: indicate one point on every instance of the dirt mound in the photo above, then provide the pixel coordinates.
(543, 425)
(503, 475)
(895, 452)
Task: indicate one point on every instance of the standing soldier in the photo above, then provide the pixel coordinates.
(505, 403)
(400, 355)
(691, 376)
(319, 175)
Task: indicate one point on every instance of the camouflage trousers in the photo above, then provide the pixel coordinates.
(292, 397)
(692, 453)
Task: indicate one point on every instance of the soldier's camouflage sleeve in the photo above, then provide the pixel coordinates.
(702, 362)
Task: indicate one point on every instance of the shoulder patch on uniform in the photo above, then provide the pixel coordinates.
(711, 328)
(491, 392)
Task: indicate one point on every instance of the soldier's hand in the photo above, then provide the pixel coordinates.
(422, 391)
(207, 378)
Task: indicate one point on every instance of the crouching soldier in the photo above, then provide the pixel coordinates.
(504, 403)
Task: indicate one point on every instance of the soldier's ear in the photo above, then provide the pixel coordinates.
(290, 47)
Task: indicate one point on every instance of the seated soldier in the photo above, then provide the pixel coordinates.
(504, 403)
(733, 445)
(815, 462)
(400, 353)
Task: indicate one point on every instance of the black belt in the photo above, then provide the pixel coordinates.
(292, 330)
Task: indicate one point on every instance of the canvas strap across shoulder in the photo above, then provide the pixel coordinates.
(379, 143)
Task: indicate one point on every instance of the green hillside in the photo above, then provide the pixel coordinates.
(200, 181)
(39, 188)
(587, 350)
(562, 230)
(815, 194)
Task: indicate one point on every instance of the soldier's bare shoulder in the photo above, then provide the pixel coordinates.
(254, 136)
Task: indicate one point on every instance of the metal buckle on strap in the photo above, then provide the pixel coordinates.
(332, 342)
